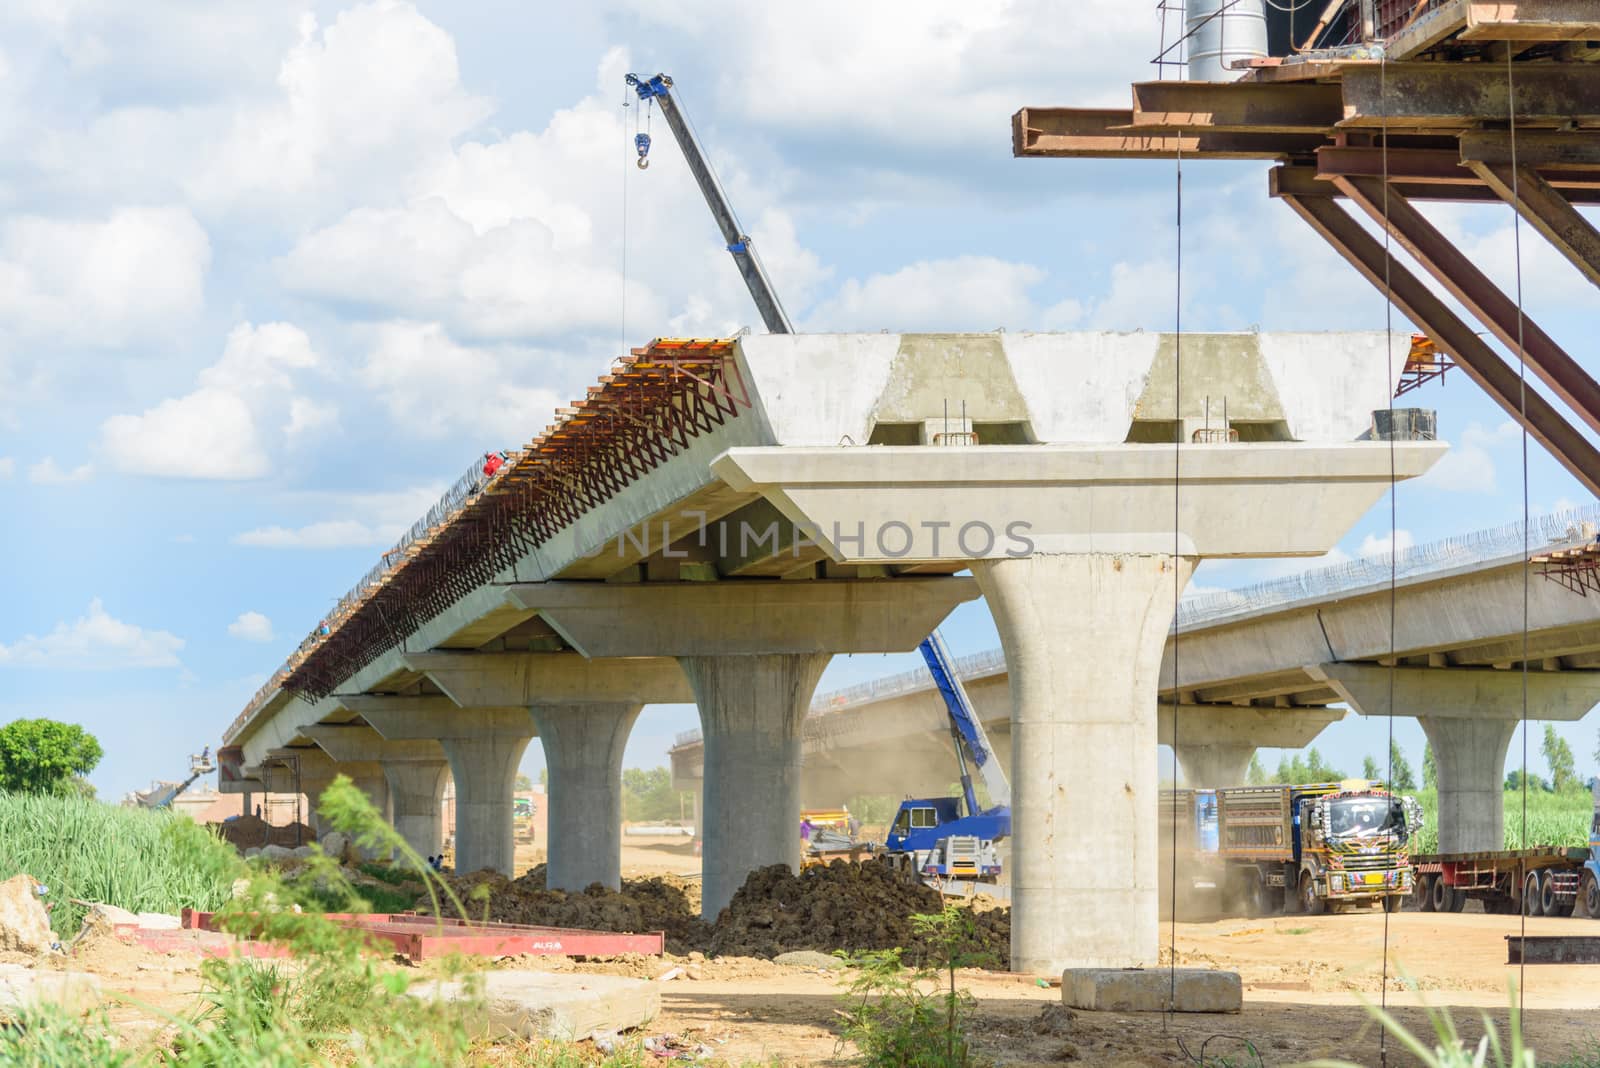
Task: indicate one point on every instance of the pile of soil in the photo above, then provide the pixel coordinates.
(248, 832)
(659, 903)
(840, 906)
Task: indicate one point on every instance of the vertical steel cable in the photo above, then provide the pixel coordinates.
(626, 166)
(1177, 585)
(1527, 567)
(1394, 525)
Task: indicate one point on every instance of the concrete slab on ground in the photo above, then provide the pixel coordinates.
(1153, 990)
(23, 988)
(564, 1006)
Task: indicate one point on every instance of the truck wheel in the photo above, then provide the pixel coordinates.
(1441, 894)
(1589, 897)
(1531, 905)
(1310, 903)
(1394, 903)
(1547, 895)
(1422, 890)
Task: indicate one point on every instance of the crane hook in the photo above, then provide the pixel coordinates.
(642, 143)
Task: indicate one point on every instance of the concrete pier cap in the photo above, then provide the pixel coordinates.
(1081, 522)
(1469, 716)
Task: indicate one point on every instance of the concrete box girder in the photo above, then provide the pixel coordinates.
(746, 617)
(363, 743)
(1464, 693)
(510, 679)
(401, 719)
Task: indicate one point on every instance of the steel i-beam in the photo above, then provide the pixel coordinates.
(1547, 211)
(1483, 298)
(1481, 363)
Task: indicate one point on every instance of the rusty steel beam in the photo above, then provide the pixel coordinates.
(1547, 151)
(1304, 181)
(1466, 95)
(1427, 166)
(1100, 133)
(1548, 212)
(1532, 20)
(1433, 316)
(1463, 280)
(1237, 107)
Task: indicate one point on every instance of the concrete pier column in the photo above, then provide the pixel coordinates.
(484, 766)
(583, 747)
(1083, 636)
(751, 711)
(1213, 766)
(416, 793)
(1471, 756)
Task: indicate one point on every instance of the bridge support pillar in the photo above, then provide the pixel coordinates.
(416, 789)
(1083, 636)
(1469, 715)
(1215, 765)
(751, 711)
(583, 746)
(484, 766)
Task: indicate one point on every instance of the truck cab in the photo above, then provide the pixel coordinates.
(1352, 844)
(932, 837)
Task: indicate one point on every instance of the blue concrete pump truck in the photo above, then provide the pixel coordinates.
(954, 837)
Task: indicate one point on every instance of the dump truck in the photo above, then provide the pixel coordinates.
(1538, 881)
(1307, 848)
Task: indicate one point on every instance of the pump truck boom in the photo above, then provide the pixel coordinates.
(658, 91)
(934, 836)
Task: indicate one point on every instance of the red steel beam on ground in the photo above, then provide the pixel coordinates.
(1238, 107)
(1466, 95)
(1547, 211)
(1482, 364)
(1464, 281)
(1105, 133)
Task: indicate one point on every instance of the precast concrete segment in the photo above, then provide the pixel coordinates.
(1469, 715)
(751, 709)
(1083, 635)
(416, 792)
(485, 772)
(903, 504)
(1470, 755)
(488, 679)
(746, 618)
(583, 746)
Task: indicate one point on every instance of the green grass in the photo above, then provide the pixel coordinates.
(389, 873)
(137, 859)
(1553, 819)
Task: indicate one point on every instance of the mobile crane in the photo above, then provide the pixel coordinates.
(162, 794)
(953, 837)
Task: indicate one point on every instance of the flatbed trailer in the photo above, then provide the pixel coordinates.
(1539, 881)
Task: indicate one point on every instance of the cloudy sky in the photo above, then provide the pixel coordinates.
(272, 274)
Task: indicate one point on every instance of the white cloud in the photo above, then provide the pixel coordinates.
(432, 386)
(1469, 466)
(94, 642)
(362, 98)
(964, 293)
(371, 520)
(1380, 544)
(134, 274)
(49, 473)
(251, 627)
(215, 431)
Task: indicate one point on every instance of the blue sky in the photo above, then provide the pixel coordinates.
(271, 275)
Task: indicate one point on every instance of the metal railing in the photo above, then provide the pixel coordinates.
(1510, 542)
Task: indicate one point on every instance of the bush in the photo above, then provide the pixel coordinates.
(137, 859)
(1553, 819)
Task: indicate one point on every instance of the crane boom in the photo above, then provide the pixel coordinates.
(658, 89)
(965, 727)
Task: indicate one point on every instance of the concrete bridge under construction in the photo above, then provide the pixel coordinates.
(1273, 665)
(716, 519)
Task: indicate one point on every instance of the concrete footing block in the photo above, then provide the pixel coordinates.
(563, 1006)
(22, 989)
(1140, 990)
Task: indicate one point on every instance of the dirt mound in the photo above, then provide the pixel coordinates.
(653, 904)
(840, 906)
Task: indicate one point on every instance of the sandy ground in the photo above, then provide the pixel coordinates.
(1305, 979)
